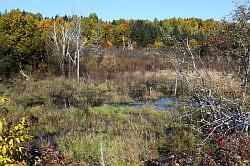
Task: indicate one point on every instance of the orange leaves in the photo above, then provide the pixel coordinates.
(107, 43)
(45, 26)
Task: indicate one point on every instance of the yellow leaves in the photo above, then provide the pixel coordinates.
(1, 128)
(11, 142)
(21, 149)
(123, 29)
(29, 17)
(10, 165)
(60, 20)
(3, 100)
(45, 26)
(3, 150)
(19, 31)
(193, 43)
(2, 123)
(84, 40)
(18, 140)
(159, 44)
(22, 120)
(6, 161)
(11, 136)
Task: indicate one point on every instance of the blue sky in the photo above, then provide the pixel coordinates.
(134, 9)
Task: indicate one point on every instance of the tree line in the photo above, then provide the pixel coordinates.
(26, 40)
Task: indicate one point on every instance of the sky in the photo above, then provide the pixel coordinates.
(128, 9)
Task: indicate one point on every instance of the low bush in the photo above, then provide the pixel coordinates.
(12, 139)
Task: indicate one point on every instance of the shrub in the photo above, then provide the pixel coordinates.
(12, 138)
(48, 155)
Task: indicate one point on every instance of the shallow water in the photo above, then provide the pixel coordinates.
(160, 104)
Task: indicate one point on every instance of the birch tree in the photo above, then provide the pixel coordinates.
(69, 43)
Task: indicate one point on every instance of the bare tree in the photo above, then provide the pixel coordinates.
(241, 34)
(78, 41)
(209, 111)
(68, 44)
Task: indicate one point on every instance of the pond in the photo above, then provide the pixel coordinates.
(162, 104)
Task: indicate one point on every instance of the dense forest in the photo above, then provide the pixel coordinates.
(78, 90)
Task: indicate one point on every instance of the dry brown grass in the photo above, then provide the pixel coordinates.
(223, 84)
